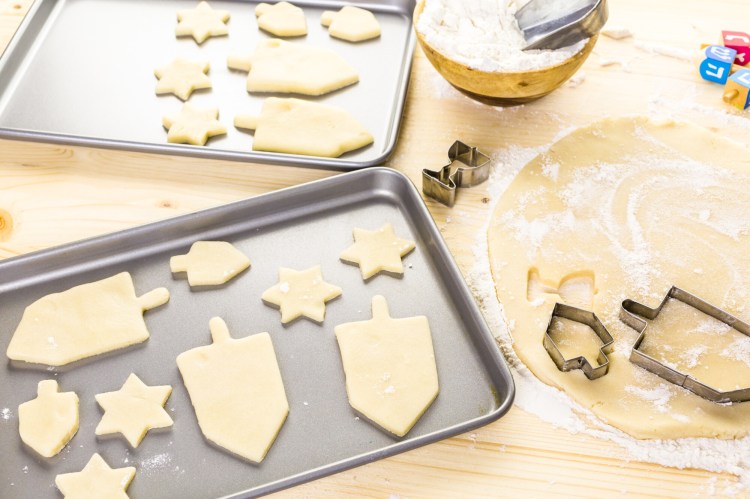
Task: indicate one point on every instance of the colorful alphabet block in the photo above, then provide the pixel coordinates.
(737, 89)
(739, 41)
(717, 64)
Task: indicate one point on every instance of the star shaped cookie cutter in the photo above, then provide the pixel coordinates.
(591, 320)
(633, 313)
(441, 185)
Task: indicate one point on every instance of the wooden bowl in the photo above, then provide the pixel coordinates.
(502, 88)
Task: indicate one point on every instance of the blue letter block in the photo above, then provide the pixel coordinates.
(715, 67)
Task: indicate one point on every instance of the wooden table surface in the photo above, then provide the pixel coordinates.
(52, 194)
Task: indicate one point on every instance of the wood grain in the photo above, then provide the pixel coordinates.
(51, 194)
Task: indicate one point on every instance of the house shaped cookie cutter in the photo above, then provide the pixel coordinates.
(633, 313)
(441, 185)
(591, 320)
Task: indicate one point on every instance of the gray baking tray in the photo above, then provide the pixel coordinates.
(82, 72)
(297, 227)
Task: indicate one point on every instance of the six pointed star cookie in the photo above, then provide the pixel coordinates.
(299, 293)
(133, 410)
(377, 251)
(194, 125)
(202, 22)
(181, 77)
(96, 479)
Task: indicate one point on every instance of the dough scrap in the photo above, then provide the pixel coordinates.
(97, 480)
(281, 19)
(194, 125)
(351, 24)
(301, 293)
(83, 321)
(210, 263)
(133, 410)
(48, 422)
(638, 205)
(237, 392)
(285, 67)
(181, 77)
(294, 126)
(391, 376)
(377, 251)
(202, 22)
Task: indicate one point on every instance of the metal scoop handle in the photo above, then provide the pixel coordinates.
(547, 29)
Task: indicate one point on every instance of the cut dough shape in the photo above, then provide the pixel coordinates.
(194, 125)
(202, 22)
(281, 19)
(96, 480)
(48, 422)
(639, 205)
(391, 376)
(210, 263)
(377, 251)
(301, 293)
(294, 126)
(236, 389)
(285, 67)
(133, 410)
(181, 77)
(83, 321)
(351, 24)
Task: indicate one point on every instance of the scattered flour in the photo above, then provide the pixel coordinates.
(659, 396)
(484, 35)
(616, 32)
(668, 51)
(6, 414)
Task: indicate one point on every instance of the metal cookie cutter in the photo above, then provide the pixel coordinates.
(591, 320)
(441, 184)
(632, 314)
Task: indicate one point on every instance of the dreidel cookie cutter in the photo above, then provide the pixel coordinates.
(442, 185)
(589, 319)
(633, 313)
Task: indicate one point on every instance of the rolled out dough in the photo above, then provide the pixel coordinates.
(626, 208)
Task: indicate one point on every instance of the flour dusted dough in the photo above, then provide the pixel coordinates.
(351, 24)
(47, 423)
(83, 321)
(377, 251)
(237, 392)
(133, 410)
(210, 263)
(391, 377)
(634, 206)
(281, 19)
(96, 480)
(181, 77)
(202, 22)
(295, 126)
(301, 293)
(193, 125)
(285, 67)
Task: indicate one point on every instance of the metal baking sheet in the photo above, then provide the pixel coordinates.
(82, 72)
(297, 227)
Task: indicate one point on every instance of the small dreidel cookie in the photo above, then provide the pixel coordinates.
(740, 42)
(377, 251)
(389, 364)
(717, 63)
(133, 410)
(293, 68)
(737, 89)
(281, 19)
(48, 422)
(202, 22)
(351, 24)
(295, 126)
(181, 77)
(193, 125)
(237, 392)
(96, 480)
(301, 293)
(210, 263)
